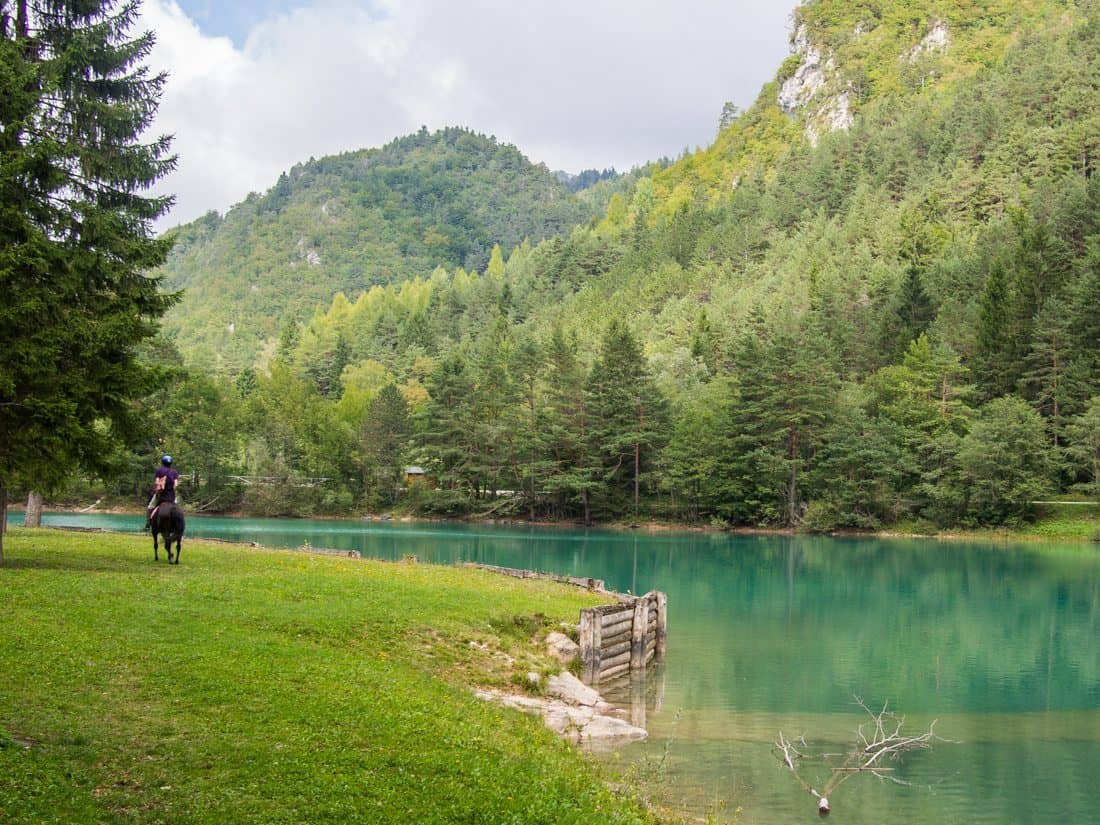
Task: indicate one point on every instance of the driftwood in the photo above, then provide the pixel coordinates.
(878, 741)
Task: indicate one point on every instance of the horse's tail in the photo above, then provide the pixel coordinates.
(177, 520)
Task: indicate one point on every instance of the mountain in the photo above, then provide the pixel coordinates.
(897, 134)
(925, 133)
(895, 249)
(873, 299)
(351, 221)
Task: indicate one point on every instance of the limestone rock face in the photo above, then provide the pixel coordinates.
(810, 78)
(938, 39)
(837, 114)
(815, 90)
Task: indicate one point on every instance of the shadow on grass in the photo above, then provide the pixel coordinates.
(78, 563)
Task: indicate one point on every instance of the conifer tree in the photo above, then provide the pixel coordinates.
(856, 473)
(385, 435)
(1041, 264)
(246, 382)
(289, 337)
(695, 460)
(1084, 446)
(752, 473)
(628, 410)
(798, 405)
(1049, 381)
(1084, 329)
(912, 314)
(704, 342)
(494, 394)
(524, 425)
(573, 471)
(334, 369)
(1004, 464)
(995, 334)
(446, 426)
(75, 233)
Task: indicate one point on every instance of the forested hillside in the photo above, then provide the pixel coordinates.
(876, 298)
(347, 222)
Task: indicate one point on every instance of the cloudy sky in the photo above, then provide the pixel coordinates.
(257, 85)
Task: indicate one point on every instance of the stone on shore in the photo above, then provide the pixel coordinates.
(562, 648)
(569, 688)
(578, 722)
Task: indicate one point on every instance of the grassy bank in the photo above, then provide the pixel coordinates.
(1057, 521)
(259, 686)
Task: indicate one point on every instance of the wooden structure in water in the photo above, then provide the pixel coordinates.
(618, 638)
(615, 639)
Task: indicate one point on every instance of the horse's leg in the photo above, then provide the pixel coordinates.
(179, 544)
(156, 557)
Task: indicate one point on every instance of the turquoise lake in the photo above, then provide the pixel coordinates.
(995, 643)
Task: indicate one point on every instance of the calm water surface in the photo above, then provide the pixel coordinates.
(996, 642)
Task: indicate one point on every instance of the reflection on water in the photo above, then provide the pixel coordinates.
(640, 693)
(770, 633)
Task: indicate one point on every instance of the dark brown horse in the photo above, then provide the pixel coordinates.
(167, 520)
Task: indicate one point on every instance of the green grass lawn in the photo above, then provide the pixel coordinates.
(1061, 522)
(260, 686)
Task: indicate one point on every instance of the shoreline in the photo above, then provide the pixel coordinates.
(1036, 534)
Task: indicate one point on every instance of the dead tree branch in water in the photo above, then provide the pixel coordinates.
(877, 741)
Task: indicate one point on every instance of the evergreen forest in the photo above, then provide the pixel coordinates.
(873, 300)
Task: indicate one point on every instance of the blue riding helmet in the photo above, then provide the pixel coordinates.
(166, 460)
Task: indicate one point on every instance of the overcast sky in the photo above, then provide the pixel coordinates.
(256, 86)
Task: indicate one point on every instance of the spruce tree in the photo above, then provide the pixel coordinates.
(752, 474)
(573, 471)
(525, 423)
(704, 342)
(628, 411)
(799, 405)
(446, 436)
(856, 472)
(1084, 446)
(696, 460)
(912, 314)
(289, 337)
(1049, 382)
(340, 358)
(385, 437)
(1004, 464)
(75, 234)
(1084, 329)
(995, 353)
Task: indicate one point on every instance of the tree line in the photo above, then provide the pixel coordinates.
(898, 324)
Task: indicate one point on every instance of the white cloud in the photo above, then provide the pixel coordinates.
(574, 83)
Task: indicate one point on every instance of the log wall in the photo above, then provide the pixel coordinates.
(614, 638)
(577, 581)
(617, 638)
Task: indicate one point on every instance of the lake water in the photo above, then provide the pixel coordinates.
(995, 643)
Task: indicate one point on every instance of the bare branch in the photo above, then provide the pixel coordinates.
(790, 756)
(878, 740)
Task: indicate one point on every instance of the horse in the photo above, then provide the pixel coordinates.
(167, 520)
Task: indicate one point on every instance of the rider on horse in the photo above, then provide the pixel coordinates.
(164, 484)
